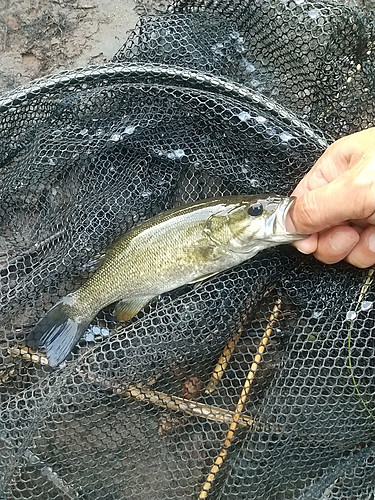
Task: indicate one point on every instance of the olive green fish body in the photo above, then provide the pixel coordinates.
(181, 246)
(165, 253)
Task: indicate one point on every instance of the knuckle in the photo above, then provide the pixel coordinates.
(363, 188)
(307, 212)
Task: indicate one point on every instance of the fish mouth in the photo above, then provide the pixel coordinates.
(278, 222)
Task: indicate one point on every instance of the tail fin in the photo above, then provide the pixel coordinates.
(57, 333)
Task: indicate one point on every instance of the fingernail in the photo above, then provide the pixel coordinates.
(341, 242)
(371, 242)
(303, 247)
(307, 246)
(303, 251)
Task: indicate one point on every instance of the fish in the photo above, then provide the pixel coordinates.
(196, 323)
(184, 245)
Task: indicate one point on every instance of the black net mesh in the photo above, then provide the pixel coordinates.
(256, 383)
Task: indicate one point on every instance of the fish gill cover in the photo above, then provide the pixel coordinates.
(256, 383)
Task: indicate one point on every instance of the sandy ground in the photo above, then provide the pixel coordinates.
(38, 37)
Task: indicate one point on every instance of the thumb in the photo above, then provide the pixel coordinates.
(324, 207)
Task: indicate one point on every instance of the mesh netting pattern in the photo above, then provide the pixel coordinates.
(212, 98)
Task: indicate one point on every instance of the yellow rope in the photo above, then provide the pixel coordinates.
(242, 400)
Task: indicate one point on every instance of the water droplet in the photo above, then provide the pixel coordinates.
(254, 183)
(249, 67)
(89, 337)
(350, 315)
(244, 116)
(366, 305)
(178, 153)
(217, 48)
(129, 129)
(317, 314)
(314, 13)
(299, 2)
(260, 119)
(146, 194)
(271, 132)
(104, 332)
(96, 330)
(285, 137)
(115, 137)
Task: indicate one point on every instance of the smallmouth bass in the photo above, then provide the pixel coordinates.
(183, 245)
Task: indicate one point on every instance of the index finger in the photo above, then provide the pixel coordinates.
(325, 170)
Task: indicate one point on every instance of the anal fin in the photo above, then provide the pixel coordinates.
(126, 309)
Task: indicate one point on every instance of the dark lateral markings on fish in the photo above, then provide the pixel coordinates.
(180, 246)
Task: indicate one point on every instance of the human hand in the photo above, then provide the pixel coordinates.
(336, 203)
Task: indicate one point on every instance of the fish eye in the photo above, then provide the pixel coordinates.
(255, 209)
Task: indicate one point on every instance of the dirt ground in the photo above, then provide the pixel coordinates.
(38, 37)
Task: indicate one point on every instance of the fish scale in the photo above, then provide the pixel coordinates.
(183, 245)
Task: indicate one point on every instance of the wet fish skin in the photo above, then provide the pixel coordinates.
(196, 321)
(180, 246)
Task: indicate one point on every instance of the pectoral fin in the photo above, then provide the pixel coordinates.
(126, 309)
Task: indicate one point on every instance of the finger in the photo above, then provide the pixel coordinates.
(334, 244)
(328, 167)
(350, 196)
(363, 254)
(308, 245)
(359, 224)
(371, 218)
(363, 223)
(314, 179)
(339, 157)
